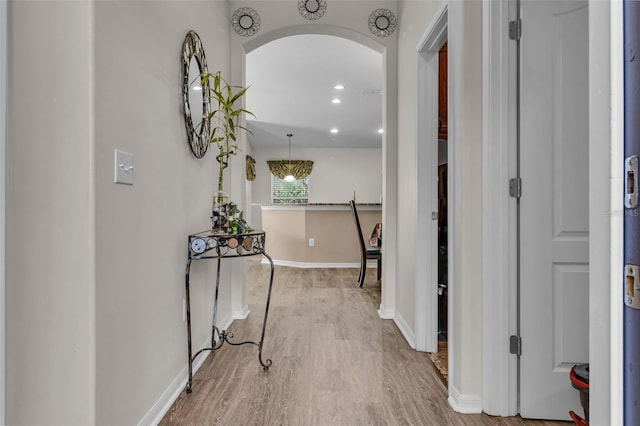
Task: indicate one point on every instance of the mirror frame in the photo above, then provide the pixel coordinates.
(198, 140)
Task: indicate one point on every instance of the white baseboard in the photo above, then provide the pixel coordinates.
(466, 404)
(240, 314)
(406, 331)
(160, 408)
(308, 265)
(386, 313)
(169, 396)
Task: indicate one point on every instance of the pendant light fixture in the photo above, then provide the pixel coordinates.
(288, 170)
(289, 177)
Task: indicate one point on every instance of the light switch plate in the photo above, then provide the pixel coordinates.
(123, 167)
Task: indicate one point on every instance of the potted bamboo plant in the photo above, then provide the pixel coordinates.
(225, 123)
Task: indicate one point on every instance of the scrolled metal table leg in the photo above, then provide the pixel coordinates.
(214, 329)
(222, 335)
(188, 303)
(266, 364)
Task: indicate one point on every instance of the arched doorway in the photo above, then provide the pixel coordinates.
(387, 48)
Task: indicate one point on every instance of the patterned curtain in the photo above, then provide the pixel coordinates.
(299, 169)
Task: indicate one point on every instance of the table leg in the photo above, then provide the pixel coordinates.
(188, 303)
(214, 329)
(222, 336)
(267, 364)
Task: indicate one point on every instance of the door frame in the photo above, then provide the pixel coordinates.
(388, 49)
(426, 276)
(605, 201)
(499, 219)
(606, 177)
(499, 226)
(499, 395)
(4, 65)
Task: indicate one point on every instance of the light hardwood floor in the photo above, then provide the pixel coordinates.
(335, 362)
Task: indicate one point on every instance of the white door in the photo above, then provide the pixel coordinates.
(554, 220)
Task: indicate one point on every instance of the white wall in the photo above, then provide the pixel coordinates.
(415, 17)
(141, 230)
(95, 270)
(336, 174)
(465, 228)
(50, 309)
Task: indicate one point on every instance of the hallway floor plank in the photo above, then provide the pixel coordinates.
(335, 362)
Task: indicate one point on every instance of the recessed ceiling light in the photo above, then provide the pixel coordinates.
(336, 101)
(196, 88)
(334, 130)
(381, 131)
(338, 87)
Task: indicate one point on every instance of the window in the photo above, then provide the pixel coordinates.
(296, 192)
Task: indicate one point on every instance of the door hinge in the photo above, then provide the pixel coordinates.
(515, 187)
(434, 215)
(515, 345)
(515, 29)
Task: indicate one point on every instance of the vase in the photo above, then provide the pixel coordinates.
(219, 216)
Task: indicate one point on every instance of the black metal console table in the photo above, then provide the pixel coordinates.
(207, 245)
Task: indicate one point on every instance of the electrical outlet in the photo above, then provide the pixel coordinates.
(312, 242)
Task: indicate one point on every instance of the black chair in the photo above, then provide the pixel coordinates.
(366, 252)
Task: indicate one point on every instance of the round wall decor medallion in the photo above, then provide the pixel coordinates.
(382, 22)
(312, 9)
(245, 21)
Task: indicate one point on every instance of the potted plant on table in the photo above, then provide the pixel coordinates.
(225, 123)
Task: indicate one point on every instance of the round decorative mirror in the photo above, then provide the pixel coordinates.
(195, 96)
(312, 6)
(245, 22)
(382, 22)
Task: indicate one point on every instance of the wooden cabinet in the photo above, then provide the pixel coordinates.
(442, 92)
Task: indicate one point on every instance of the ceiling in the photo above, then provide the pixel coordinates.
(291, 90)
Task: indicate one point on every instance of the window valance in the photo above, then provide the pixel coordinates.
(299, 169)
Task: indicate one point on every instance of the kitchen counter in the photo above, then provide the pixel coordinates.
(320, 206)
(319, 234)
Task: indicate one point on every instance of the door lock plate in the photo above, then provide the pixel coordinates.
(632, 286)
(631, 182)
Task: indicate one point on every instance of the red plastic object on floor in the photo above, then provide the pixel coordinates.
(577, 419)
(579, 376)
